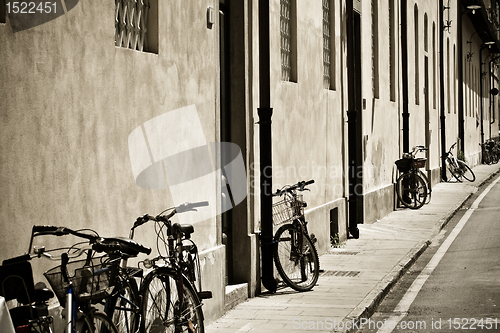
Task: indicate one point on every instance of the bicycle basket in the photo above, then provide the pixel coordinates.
(404, 164)
(419, 162)
(288, 209)
(93, 281)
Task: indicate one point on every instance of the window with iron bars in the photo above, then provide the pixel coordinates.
(328, 45)
(288, 40)
(136, 25)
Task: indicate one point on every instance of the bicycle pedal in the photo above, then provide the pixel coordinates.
(313, 238)
(205, 294)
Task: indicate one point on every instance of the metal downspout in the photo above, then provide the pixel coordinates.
(441, 92)
(461, 116)
(266, 175)
(492, 114)
(404, 65)
(481, 95)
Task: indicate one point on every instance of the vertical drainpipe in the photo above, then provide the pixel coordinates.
(492, 96)
(481, 95)
(265, 144)
(351, 113)
(441, 90)
(404, 65)
(461, 117)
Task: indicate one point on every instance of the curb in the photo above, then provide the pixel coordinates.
(367, 307)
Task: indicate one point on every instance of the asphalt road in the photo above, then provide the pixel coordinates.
(455, 285)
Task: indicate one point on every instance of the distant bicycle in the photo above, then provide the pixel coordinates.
(413, 188)
(295, 255)
(490, 152)
(457, 167)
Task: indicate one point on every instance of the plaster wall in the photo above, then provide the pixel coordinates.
(308, 123)
(70, 99)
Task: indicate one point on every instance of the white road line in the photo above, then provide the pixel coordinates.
(410, 295)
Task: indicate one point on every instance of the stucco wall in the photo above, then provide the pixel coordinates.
(70, 99)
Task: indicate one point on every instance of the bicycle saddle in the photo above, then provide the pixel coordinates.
(42, 293)
(186, 229)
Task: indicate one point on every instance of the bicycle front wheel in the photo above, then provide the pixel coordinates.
(429, 188)
(95, 322)
(466, 171)
(162, 308)
(123, 308)
(450, 165)
(411, 190)
(296, 258)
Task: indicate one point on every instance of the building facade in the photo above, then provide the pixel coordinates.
(353, 85)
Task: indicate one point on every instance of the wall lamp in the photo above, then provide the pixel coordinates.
(473, 8)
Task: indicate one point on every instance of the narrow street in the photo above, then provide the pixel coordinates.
(454, 286)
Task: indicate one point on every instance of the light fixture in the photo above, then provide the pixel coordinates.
(473, 8)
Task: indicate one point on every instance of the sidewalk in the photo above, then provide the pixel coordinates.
(358, 276)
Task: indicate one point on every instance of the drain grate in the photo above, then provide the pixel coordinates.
(342, 273)
(343, 253)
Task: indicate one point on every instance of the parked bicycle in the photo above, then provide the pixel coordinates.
(459, 169)
(31, 313)
(80, 283)
(170, 300)
(413, 188)
(294, 251)
(490, 152)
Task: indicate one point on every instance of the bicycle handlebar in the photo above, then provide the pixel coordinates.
(300, 186)
(39, 230)
(99, 244)
(185, 207)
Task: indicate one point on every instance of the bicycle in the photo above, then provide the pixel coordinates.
(490, 152)
(413, 188)
(171, 291)
(78, 284)
(123, 306)
(457, 167)
(294, 252)
(31, 313)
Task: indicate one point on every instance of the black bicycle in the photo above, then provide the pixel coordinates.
(77, 283)
(295, 254)
(31, 312)
(412, 186)
(171, 292)
(459, 169)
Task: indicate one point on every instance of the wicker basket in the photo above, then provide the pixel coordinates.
(404, 164)
(419, 162)
(91, 281)
(288, 209)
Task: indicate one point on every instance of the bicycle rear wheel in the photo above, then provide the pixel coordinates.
(466, 171)
(162, 310)
(296, 258)
(429, 189)
(411, 190)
